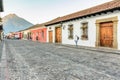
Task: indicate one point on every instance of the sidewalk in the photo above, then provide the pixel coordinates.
(1, 47)
(99, 49)
(3, 64)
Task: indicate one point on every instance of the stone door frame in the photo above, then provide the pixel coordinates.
(115, 25)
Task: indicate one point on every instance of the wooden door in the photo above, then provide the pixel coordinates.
(58, 35)
(50, 37)
(106, 34)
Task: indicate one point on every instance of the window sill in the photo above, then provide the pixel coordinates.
(70, 38)
(84, 38)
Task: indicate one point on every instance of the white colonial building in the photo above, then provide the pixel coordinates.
(98, 26)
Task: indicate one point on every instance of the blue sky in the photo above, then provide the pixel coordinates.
(38, 11)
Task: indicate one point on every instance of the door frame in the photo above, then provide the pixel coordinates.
(61, 33)
(115, 25)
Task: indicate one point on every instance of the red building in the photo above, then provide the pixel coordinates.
(39, 33)
(20, 35)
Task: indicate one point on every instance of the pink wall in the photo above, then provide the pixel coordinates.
(40, 34)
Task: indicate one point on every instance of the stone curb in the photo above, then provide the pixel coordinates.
(99, 49)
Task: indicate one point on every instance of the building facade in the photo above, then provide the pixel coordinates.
(39, 33)
(24, 34)
(1, 27)
(98, 26)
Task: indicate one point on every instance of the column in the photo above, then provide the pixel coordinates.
(97, 35)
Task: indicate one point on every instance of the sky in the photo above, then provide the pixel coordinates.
(39, 11)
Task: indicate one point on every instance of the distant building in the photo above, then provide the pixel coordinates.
(10, 35)
(1, 27)
(24, 34)
(36, 32)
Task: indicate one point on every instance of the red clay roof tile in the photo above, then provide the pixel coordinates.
(103, 7)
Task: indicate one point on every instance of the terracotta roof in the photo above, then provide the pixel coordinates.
(100, 8)
(58, 19)
(36, 26)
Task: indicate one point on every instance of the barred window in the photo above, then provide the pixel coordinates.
(84, 29)
(70, 32)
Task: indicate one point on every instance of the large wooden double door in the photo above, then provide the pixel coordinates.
(106, 34)
(58, 32)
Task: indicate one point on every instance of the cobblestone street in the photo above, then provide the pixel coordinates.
(27, 60)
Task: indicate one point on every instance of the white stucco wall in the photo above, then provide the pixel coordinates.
(53, 30)
(91, 29)
(77, 31)
(118, 31)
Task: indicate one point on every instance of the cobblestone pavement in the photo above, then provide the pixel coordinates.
(27, 60)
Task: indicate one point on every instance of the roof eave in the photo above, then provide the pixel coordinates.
(104, 11)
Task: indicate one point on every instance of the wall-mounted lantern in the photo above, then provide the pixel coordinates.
(64, 27)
